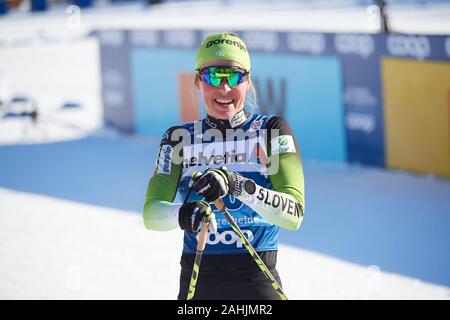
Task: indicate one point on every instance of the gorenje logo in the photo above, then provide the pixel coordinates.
(226, 41)
(228, 237)
(202, 159)
(164, 159)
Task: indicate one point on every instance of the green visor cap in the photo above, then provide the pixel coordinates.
(222, 46)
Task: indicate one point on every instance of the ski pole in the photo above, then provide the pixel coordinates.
(200, 247)
(221, 206)
(198, 258)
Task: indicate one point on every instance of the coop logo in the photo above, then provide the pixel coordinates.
(113, 78)
(310, 43)
(111, 38)
(114, 99)
(179, 39)
(359, 97)
(409, 46)
(144, 38)
(361, 45)
(447, 46)
(228, 237)
(164, 159)
(263, 41)
(360, 122)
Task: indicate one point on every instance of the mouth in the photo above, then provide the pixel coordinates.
(224, 102)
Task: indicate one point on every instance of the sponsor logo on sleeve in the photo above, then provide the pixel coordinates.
(164, 159)
(282, 144)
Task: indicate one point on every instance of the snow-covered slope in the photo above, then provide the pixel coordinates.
(57, 249)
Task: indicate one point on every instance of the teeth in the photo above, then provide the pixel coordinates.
(224, 101)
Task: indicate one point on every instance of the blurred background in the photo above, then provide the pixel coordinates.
(87, 88)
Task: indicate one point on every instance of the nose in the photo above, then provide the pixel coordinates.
(224, 85)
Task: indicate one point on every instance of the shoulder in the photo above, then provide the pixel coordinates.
(276, 122)
(278, 126)
(175, 133)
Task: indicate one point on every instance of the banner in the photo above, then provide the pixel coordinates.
(328, 86)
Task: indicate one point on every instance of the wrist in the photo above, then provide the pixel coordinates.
(243, 186)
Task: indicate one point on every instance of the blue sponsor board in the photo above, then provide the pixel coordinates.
(307, 91)
(155, 87)
(115, 73)
(362, 97)
(349, 63)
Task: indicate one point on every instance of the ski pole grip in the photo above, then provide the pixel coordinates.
(202, 238)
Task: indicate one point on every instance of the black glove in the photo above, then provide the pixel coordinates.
(214, 183)
(191, 214)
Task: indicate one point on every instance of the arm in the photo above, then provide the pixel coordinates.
(159, 212)
(284, 205)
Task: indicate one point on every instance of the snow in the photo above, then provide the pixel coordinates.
(57, 249)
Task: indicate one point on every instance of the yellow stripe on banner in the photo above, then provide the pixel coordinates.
(417, 115)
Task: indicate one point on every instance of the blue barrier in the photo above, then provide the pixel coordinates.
(344, 84)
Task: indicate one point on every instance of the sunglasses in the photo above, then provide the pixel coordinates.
(214, 75)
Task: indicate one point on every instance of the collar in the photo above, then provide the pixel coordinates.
(235, 121)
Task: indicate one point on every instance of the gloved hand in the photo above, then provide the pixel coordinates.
(191, 214)
(214, 183)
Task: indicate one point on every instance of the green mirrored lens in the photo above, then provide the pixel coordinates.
(214, 76)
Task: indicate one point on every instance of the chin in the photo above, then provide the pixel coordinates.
(222, 115)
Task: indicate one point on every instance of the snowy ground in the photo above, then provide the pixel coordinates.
(71, 227)
(56, 249)
(71, 191)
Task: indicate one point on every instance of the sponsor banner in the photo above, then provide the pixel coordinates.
(417, 112)
(417, 47)
(115, 74)
(157, 94)
(307, 92)
(133, 101)
(363, 118)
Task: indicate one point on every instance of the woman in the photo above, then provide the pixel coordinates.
(249, 160)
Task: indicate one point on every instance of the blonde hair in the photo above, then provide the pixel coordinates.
(250, 103)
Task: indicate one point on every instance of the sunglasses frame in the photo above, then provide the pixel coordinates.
(203, 73)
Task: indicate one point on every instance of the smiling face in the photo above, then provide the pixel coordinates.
(223, 102)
